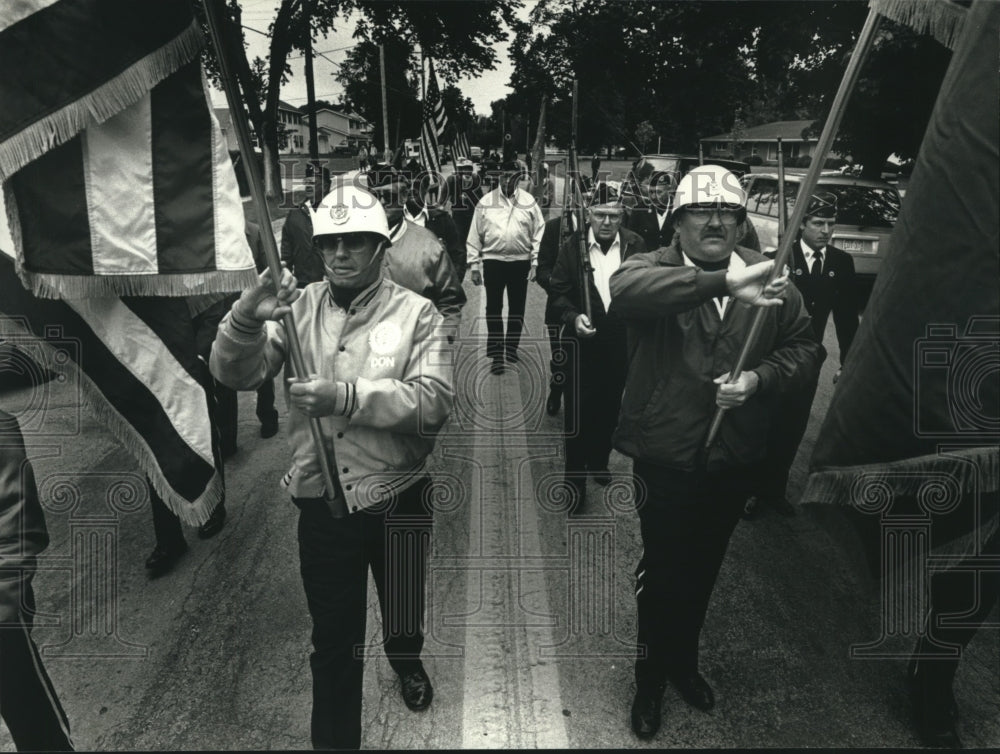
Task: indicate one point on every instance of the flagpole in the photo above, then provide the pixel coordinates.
(861, 50)
(335, 498)
(385, 104)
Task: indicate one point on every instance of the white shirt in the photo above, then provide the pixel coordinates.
(419, 219)
(809, 254)
(604, 265)
(662, 218)
(736, 263)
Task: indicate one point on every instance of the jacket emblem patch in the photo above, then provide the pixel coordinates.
(384, 338)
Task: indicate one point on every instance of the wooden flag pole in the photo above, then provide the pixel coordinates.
(782, 207)
(861, 50)
(335, 497)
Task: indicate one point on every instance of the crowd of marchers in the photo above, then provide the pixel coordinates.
(647, 314)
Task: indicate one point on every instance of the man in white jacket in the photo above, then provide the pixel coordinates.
(379, 380)
(503, 243)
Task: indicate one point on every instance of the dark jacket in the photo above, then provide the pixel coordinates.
(441, 224)
(22, 523)
(835, 291)
(463, 191)
(678, 345)
(553, 237)
(564, 288)
(646, 223)
(297, 247)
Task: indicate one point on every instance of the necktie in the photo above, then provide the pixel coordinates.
(817, 270)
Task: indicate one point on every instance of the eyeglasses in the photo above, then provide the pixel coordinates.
(702, 215)
(354, 243)
(604, 216)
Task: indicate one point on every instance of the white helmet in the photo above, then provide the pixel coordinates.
(349, 209)
(710, 185)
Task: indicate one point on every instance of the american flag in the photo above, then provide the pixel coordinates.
(460, 147)
(435, 121)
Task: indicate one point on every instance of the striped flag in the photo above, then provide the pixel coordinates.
(435, 121)
(460, 147)
(120, 188)
(135, 363)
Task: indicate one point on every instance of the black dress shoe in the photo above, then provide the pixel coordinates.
(553, 401)
(214, 524)
(512, 357)
(602, 477)
(646, 712)
(694, 690)
(416, 689)
(163, 558)
(782, 506)
(751, 509)
(269, 429)
(497, 366)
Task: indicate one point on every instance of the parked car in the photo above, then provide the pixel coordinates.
(635, 188)
(866, 214)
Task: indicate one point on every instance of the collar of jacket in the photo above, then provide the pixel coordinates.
(363, 299)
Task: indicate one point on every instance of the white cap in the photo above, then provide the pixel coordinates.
(709, 185)
(349, 209)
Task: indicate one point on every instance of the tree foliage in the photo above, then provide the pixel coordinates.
(694, 69)
(459, 39)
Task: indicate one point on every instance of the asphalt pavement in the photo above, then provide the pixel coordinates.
(531, 618)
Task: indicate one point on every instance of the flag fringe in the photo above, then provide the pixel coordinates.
(49, 285)
(942, 19)
(191, 512)
(110, 98)
(974, 470)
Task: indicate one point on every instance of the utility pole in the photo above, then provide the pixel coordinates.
(311, 91)
(385, 104)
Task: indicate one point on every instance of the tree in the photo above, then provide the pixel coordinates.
(457, 40)
(644, 132)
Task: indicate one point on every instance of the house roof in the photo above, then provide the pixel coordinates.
(788, 130)
(282, 105)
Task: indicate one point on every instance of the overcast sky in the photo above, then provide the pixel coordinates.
(258, 14)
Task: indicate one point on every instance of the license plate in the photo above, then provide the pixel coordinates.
(857, 245)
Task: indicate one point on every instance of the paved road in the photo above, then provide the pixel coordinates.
(531, 623)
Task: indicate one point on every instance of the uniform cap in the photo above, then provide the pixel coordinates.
(822, 204)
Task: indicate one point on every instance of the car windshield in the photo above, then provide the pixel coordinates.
(863, 206)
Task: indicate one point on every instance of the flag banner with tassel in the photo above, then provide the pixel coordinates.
(68, 64)
(135, 363)
(914, 424)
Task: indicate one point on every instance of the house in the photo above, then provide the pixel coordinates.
(340, 131)
(763, 140)
(290, 120)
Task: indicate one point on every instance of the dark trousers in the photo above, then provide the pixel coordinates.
(557, 364)
(498, 277)
(961, 600)
(789, 420)
(266, 412)
(28, 701)
(166, 524)
(335, 556)
(686, 520)
(596, 370)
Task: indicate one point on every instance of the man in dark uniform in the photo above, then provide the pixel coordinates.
(463, 190)
(296, 236)
(28, 701)
(596, 353)
(824, 275)
(422, 209)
